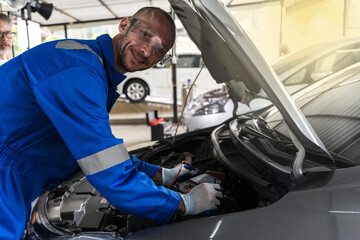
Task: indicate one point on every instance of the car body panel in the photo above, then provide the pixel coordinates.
(327, 211)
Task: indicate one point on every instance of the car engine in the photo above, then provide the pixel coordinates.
(76, 206)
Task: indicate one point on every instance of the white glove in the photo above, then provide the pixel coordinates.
(169, 174)
(202, 199)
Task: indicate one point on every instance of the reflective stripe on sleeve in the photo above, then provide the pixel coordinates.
(104, 159)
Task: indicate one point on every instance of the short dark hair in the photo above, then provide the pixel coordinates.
(5, 18)
(145, 10)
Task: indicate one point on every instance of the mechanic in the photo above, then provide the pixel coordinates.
(6, 39)
(54, 105)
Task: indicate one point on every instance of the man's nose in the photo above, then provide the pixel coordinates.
(4, 36)
(147, 51)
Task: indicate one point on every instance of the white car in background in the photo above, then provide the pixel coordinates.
(296, 71)
(157, 81)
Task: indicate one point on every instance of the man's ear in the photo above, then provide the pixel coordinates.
(124, 25)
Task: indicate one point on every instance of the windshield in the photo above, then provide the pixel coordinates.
(333, 111)
(294, 59)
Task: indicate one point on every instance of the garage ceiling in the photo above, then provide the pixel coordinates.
(80, 11)
(83, 11)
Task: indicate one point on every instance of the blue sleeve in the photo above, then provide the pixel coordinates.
(75, 101)
(145, 167)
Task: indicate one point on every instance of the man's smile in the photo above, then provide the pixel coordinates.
(5, 45)
(139, 59)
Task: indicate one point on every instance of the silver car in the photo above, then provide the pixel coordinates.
(290, 172)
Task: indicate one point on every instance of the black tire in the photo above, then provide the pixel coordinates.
(136, 90)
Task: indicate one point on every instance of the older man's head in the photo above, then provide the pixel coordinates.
(6, 36)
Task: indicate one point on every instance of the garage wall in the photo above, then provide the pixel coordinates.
(308, 22)
(280, 27)
(262, 23)
(352, 24)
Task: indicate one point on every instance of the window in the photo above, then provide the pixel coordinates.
(296, 78)
(186, 61)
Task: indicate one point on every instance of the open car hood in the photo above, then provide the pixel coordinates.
(231, 57)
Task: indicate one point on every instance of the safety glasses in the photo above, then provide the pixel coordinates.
(8, 34)
(145, 36)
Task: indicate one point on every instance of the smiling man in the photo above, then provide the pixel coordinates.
(6, 39)
(54, 105)
(142, 41)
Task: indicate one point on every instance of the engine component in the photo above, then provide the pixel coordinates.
(186, 186)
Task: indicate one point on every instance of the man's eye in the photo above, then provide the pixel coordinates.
(146, 34)
(159, 49)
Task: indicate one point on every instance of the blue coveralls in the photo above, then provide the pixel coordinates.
(54, 106)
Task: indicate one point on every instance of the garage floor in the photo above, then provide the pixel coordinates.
(128, 121)
(133, 134)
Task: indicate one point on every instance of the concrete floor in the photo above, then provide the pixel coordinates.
(124, 112)
(133, 134)
(128, 121)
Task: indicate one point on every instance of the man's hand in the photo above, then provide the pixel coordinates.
(169, 175)
(202, 199)
(157, 177)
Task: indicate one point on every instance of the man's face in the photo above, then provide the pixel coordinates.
(134, 52)
(5, 41)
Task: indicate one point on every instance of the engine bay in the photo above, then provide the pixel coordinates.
(76, 206)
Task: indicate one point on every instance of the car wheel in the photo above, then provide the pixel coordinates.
(136, 90)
